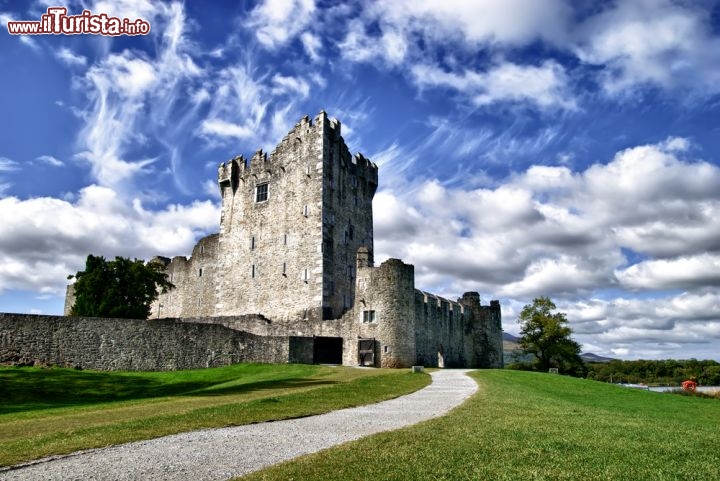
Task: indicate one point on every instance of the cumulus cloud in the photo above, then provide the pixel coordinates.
(678, 273)
(484, 22)
(44, 239)
(646, 328)
(552, 231)
(652, 42)
(631, 46)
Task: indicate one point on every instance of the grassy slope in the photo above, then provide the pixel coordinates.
(57, 411)
(536, 426)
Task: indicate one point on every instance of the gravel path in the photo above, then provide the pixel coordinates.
(219, 454)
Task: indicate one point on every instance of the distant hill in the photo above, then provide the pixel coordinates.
(590, 357)
(510, 342)
(509, 337)
(511, 347)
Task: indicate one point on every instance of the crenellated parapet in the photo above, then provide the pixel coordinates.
(307, 135)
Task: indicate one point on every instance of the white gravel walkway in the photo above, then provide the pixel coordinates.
(219, 454)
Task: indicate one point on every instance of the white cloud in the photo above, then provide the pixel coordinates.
(211, 188)
(239, 104)
(277, 22)
(682, 272)
(221, 128)
(312, 45)
(45, 239)
(8, 165)
(545, 86)
(512, 22)
(655, 43)
(24, 39)
(127, 88)
(551, 231)
(652, 42)
(50, 160)
(283, 84)
(147, 10)
(70, 58)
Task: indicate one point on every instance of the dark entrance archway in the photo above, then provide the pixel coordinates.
(327, 350)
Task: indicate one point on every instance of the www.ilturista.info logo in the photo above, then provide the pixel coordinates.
(57, 22)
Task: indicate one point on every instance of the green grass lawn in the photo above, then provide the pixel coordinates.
(57, 411)
(531, 426)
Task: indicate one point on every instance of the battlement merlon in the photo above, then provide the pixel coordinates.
(229, 172)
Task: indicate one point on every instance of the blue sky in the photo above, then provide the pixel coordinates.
(526, 148)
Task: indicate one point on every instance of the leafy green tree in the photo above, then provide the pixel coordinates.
(122, 288)
(546, 335)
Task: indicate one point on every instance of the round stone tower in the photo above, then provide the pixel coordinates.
(385, 311)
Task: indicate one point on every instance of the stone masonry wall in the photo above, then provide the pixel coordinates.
(126, 344)
(440, 331)
(291, 223)
(270, 259)
(388, 292)
(194, 281)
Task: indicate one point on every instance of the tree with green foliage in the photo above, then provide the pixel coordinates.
(122, 288)
(546, 335)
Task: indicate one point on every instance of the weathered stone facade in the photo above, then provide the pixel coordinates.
(129, 344)
(294, 261)
(291, 223)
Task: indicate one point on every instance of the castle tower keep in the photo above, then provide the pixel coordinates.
(291, 223)
(293, 265)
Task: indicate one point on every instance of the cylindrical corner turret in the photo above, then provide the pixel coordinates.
(385, 313)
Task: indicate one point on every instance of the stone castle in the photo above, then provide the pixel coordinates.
(294, 260)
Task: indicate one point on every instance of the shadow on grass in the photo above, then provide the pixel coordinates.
(28, 390)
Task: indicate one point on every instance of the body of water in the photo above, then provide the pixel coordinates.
(672, 388)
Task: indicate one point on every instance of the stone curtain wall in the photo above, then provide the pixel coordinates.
(133, 345)
(441, 330)
(194, 280)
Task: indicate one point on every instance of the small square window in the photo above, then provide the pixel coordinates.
(261, 192)
(368, 317)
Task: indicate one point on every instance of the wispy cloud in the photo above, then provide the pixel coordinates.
(70, 58)
(277, 22)
(129, 87)
(49, 159)
(8, 165)
(221, 128)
